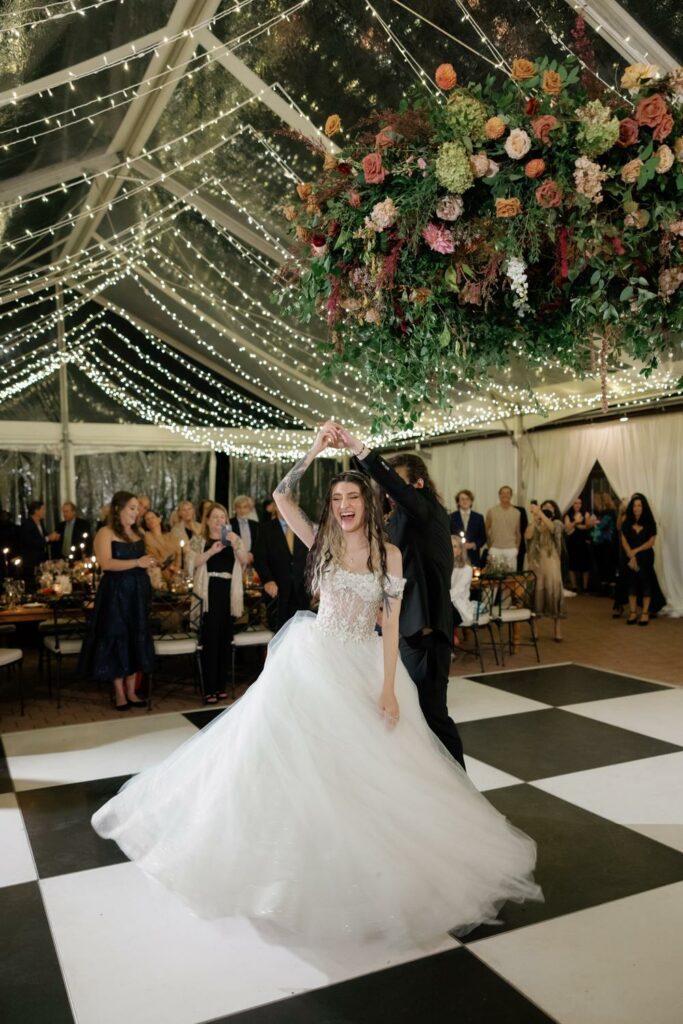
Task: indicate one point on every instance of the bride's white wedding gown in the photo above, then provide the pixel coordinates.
(298, 806)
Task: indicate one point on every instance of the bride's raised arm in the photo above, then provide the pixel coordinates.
(283, 495)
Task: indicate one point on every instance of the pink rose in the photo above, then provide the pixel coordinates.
(438, 238)
(373, 170)
(354, 199)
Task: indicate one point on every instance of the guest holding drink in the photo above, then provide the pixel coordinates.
(119, 643)
(218, 581)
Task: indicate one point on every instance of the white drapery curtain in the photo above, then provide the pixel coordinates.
(643, 454)
(479, 466)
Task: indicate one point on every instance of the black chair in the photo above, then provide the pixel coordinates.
(175, 620)
(64, 635)
(515, 604)
(484, 595)
(11, 659)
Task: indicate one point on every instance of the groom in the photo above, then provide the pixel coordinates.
(419, 526)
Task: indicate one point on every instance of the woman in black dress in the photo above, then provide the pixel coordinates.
(638, 535)
(213, 576)
(577, 527)
(119, 642)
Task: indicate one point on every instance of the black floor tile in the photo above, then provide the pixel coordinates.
(583, 860)
(540, 744)
(58, 824)
(31, 986)
(447, 987)
(202, 718)
(6, 785)
(566, 684)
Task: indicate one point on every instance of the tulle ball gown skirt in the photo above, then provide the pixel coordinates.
(297, 806)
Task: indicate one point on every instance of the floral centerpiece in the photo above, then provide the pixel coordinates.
(531, 219)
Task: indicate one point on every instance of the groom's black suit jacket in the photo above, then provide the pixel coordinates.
(419, 526)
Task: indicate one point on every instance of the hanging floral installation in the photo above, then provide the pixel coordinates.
(537, 219)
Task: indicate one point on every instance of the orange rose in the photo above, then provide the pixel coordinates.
(664, 128)
(542, 126)
(508, 207)
(495, 128)
(552, 83)
(651, 110)
(304, 190)
(332, 125)
(312, 207)
(330, 162)
(302, 233)
(446, 77)
(630, 172)
(289, 212)
(384, 138)
(535, 168)
(522, 69)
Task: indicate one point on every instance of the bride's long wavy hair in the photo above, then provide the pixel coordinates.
(328, 547)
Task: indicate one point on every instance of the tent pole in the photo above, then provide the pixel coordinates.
(66, 478)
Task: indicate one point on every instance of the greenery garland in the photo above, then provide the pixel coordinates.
(459, 233)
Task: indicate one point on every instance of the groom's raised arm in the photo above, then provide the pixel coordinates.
(404, 494)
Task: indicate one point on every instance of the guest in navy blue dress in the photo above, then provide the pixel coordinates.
(119, 642)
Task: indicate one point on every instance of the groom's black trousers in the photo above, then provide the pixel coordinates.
(427, 658)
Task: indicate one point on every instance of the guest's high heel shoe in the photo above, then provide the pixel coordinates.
(122, 707)
(137, 703)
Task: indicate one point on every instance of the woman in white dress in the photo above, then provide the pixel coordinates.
(461, 584)
(321, 801)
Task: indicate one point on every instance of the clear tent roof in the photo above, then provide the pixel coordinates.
(143, 168)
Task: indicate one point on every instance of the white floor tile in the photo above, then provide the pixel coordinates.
(16, 862)
(619, 963)
(148, 960)
(96, 750)
(635, 793)
(669, 835)
(658, 713)
(468, 701)
(484, 776)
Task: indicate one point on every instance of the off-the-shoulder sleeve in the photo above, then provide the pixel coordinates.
(394, 586)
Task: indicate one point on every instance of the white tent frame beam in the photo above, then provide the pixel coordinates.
(265, 93)
(208, 208)
(145, 110)
(86, 67)
(56, 174)
(623, 33)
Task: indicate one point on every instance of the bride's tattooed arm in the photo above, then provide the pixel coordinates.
(283, 495)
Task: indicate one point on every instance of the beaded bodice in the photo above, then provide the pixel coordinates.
(350, 601)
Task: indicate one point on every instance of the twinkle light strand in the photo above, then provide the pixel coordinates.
(70, 6)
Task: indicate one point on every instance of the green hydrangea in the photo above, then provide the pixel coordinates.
(466, 116)
(598, 130)
(453, 168)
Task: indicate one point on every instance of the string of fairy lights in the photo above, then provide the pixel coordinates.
(280, 353)
(51, 12)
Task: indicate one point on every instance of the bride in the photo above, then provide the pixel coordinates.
(321, 801)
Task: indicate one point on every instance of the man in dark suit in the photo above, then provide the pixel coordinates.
(470, 523)
(33, 541)
(244, 526)
(71, 532)
(419, 526)
(280, 561)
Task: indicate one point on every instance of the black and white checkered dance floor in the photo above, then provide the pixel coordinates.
(587, 762)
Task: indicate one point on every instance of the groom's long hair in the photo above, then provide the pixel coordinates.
(328, 547)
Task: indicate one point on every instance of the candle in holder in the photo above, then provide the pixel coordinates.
(5, 555)
(182, 556)
(17, 567)
(82, 547)
(72, 552)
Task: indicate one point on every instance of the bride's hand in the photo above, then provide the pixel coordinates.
(388, 708)
(327, 437)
